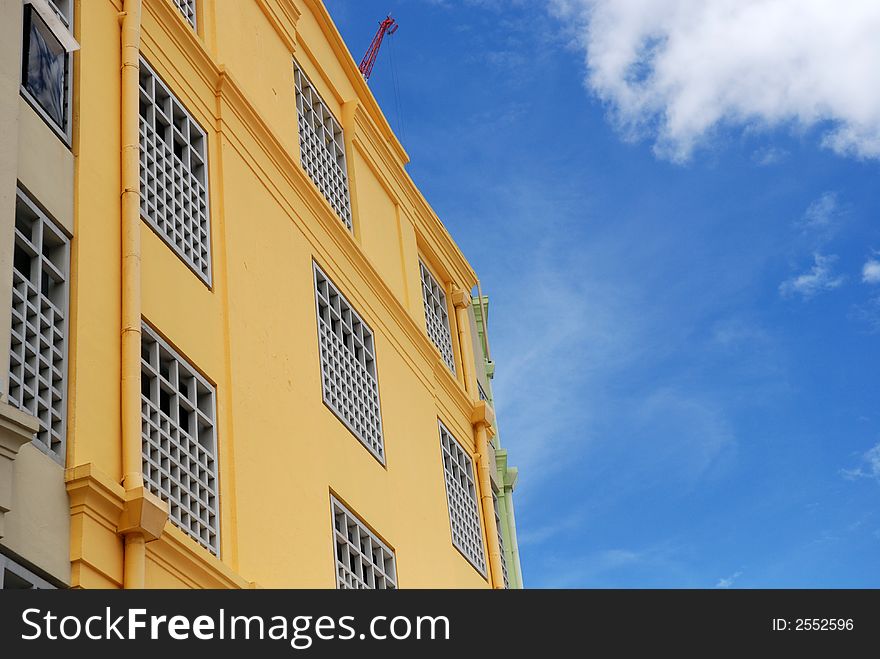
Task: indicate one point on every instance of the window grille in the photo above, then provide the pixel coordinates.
(461, 495)
(322, 146)
(500, 540)
(363, 561)
(437, 316)
(174, 174)
(179, 447)
(38, 350)
(17, 577)
(188, 9)
(348, 365)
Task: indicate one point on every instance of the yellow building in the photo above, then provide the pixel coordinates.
(243, 346)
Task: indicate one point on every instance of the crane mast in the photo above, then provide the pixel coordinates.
(387, 27)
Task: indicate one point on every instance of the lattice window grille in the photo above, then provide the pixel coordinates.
(38, 347)
(179, 447)
(500, 540)
(188, 9)
(461, 495)
(437, 316)
(14, 576)
(174, 174)
(322, 146)
(348, 365)
(363, 561)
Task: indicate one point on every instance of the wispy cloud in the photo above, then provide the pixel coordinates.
(769, 155)
(868, 467)
(821, 277)
(727, 582)
(596, 567)
(703, 438)
(868, 313)
(557, 527)
(822, 214)
(871, 272)
(678, 70)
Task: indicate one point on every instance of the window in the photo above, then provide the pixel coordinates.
(188, 9)
(17, 577)
(461, 495)
(482, 393)
(45, 62)
(38, 351)
(500, 540)
(363, 561)
(437, 316)
(179, 447)
(322, 147)
(174, 174)
(348, 365)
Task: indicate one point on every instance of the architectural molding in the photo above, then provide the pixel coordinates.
(17, 428)
(283, 16)
(98, 503)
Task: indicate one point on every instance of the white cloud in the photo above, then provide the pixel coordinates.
(677, 70)
(727, 582)
(869, 313)
(869, 467)
(769, 155)
(821, 213)
(871, 272)
(819, 278)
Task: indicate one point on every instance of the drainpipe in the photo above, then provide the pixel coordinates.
(462, 302)
(131, 249)
(482, 418)
(143, 516)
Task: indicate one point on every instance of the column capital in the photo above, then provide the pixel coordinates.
(483, 416)
(461, 299)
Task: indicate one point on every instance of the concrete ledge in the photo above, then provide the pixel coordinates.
(17, 428)
(174, 560)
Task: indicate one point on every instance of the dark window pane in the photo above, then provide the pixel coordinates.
(44, 69)
(12, 581)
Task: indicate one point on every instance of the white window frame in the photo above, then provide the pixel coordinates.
(463, 500)
(188, 229)
(194, 509)
(362, 416)
(36, 582)
(327, 170)
(437, 325)
(363, 574)
(51, 353)
(187, 10)
(504, 572)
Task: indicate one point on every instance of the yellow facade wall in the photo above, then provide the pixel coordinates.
(253, 332)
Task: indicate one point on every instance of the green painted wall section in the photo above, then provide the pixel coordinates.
(508, 475)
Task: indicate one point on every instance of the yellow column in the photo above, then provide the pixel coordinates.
(349, 128)
(462, 301)
(483, 417)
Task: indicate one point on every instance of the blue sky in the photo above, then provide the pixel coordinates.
(675, 210)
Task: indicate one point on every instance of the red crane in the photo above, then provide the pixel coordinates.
(388, 26)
